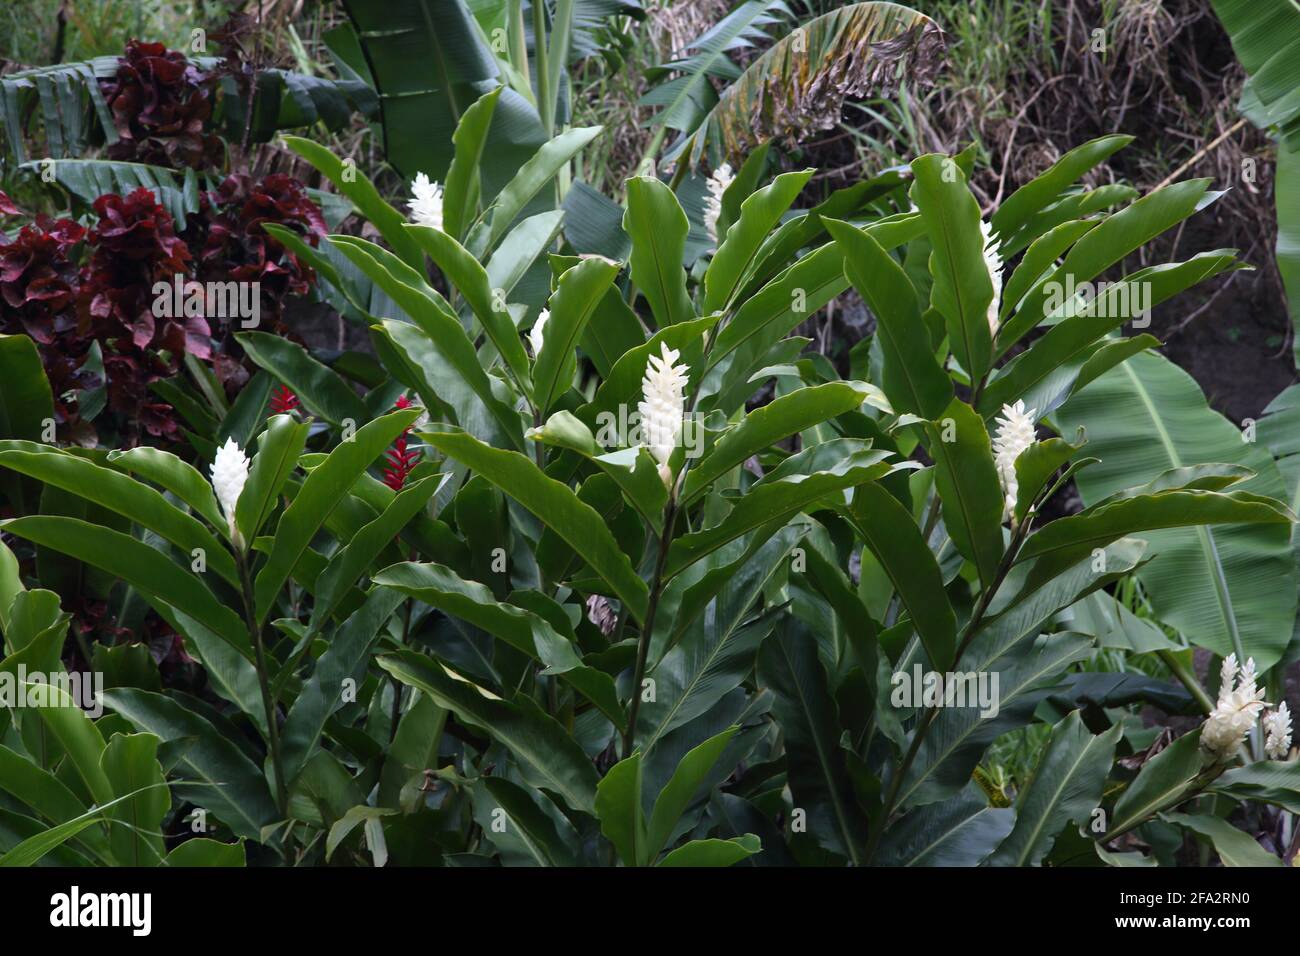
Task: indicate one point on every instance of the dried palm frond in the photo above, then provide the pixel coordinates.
(799, 86)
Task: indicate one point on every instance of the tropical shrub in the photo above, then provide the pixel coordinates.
(591, 557)
(613, 609)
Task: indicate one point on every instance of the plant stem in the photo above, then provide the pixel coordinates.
(927, 718)
(544, 104)
(1188, 680)
(263, 677)
(648, 627)
(395, 715)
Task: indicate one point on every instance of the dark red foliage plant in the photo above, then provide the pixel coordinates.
(161, 105)
(39, 285)
(135, 247)
(231, 244)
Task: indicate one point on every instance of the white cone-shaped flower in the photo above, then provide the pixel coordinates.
(661, 409)
(229, 474)
(718, 184)
(1015, 433)
(426, 207)
(537, 334)
(994, 263)
(1239, 706)
(1277, 727)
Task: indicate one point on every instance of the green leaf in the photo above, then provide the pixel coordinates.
(784, 416)
(681, 790)
(1267, 781)
(546, 756)
(1234, 847)
(959, 735)
(1229, 589)
(179, 477)
(770, 314)
(440, 587)
(573, 304)
(352, 560)
(618, 807)
(461, 194)
(713, 853)
(320, 493)
(1162, 781)
(806, 712)
(46, 795)
(887, 529)
(31, 850)
(130, 762)
(201, 851)
(26, 402)
(430, 63)
(126, 496)
(576, 522)
(539, 170)
(911, 376)
(353, 183)
(962, 287)
(759, 214)
(658, 227)
(1044, 188)
(146, 569)
(79, 737)
(440, 334)
(521, 249)
(774, 500)
(967, 483)
(322, 693)
(960, 831)
(278, 450)
(541, 838)
(215, 773)
(711, 648)
(1035, 468)
(1036, 267)
(1065, 788)
(323, 391)
(1073, 339)
(465, 273)
(357, 816)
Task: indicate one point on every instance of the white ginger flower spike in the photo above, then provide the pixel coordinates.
(718, 184)
(1277, 726)
(536, 335)
(229, 473)
(1015, 433)
(426, 207)
(1239, 706)
(994, 263)
(662, 407)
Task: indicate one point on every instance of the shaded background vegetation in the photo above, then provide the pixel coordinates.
(1021, 79)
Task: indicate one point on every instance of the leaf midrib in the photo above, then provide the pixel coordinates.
(1204, 535)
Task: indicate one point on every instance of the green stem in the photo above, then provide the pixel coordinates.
(648, 628)
(1188, 679)
(518, 40)
(263, 678)
(544, 104)
(927, 718)
(665, 539)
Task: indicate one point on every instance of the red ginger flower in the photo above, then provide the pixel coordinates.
(400, 460)
(283, 400)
